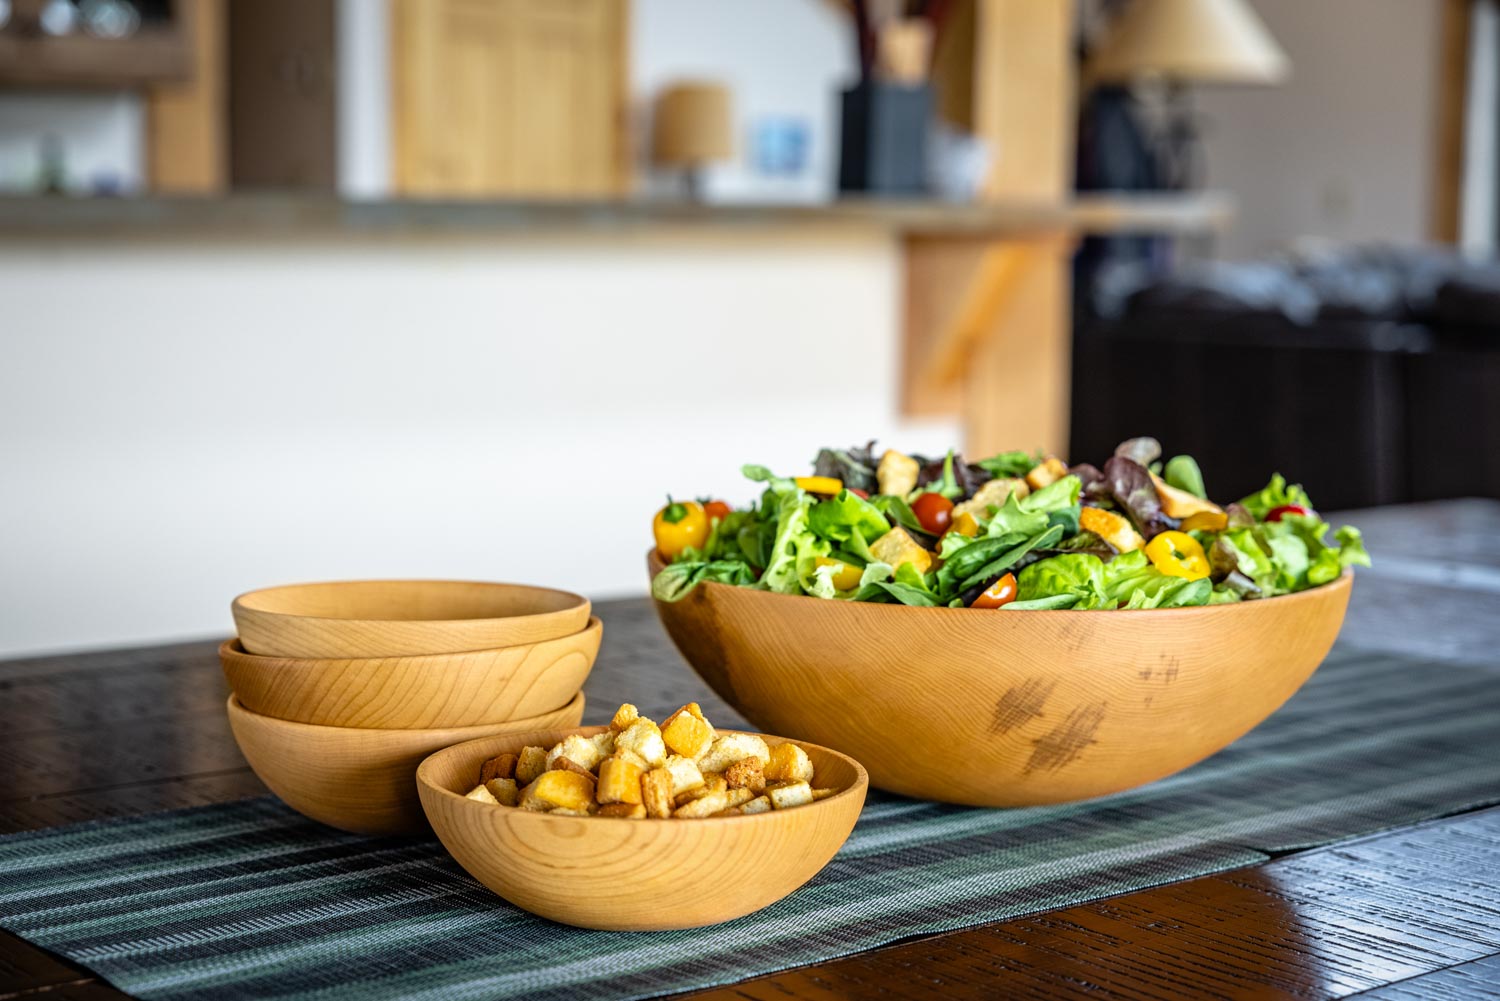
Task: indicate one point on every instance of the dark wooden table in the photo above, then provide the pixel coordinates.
(1413, 913)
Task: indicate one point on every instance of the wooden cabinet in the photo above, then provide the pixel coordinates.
(509, 97)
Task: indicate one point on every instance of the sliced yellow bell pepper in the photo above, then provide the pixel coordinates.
(820, 484)
(1177, 554)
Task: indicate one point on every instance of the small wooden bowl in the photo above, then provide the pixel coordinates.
(635, 875)
(1026, 708)
(354, 779)
(444, 690)
(402, 618)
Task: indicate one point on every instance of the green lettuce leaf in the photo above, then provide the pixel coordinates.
(1073, 580)
(676, 581)
(907, 587)
(1273, 495)
(847, 517)
(1183, 473)
(1060, 493)
(1015, 522)
(795, 549)
(1011, 464)
(1130, 581)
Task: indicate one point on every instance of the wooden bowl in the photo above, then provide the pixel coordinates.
(402, 618)
(444, 690)
(354, 779)
(635, 875)
(1005, 708)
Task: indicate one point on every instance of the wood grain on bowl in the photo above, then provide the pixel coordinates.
(402, 618)
(441, 690)
(359, 780)
(635, 875)
(1029, 707)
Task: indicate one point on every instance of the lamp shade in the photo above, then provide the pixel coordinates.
(1209, 41)
(691, 125)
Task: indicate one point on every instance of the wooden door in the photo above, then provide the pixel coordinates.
(509, 97)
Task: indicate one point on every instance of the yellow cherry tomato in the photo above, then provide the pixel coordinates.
(820, 484)
(845, 577)
(1177, 554)
(678, 525)
(966, 524)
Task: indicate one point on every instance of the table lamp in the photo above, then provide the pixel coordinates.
(691, 128)
(1182, 42)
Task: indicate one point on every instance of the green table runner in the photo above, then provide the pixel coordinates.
(248, 899)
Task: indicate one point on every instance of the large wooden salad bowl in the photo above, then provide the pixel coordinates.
(996, 708)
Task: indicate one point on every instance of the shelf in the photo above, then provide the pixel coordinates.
(154, 55)
(269, 214)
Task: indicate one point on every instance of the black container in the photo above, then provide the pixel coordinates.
(883, 138)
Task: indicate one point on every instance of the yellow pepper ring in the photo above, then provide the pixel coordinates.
(845, 577)
(1178, 554)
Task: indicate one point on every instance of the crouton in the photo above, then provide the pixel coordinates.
(685, 774)
(992, 495)
(728, 748)
(732, 811)
(505, 791)
(788, 796)
(703, 806)
(736, 797)
(747, 773)
(569, 765)
(624, 716)
(687, 733)
(1049, 470)
(619, 781)
(711, 784)
(789, 763)
(482, 795)
(632, 757)
(531, 764)
(897, 473)
(656, 792)
(896, 547)
(604, 743)
(630, 811)
(818, 794)
(643, 738)
(1181, 504)
(579, 749)
(1113, 528)
(760, 804)
(501, 766)
(559, 789)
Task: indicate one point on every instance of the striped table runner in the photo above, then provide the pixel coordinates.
(250, 900)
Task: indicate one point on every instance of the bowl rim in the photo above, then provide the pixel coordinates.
(244, 601)
(233, 647)
(234, 705)
(1342, 582)
(861, 781)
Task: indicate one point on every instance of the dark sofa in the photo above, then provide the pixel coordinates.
(1371, 376)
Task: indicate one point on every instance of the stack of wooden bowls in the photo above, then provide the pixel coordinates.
(340, 690)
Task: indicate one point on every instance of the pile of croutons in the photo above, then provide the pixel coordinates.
(636, 769)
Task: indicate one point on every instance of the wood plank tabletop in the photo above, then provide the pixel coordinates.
(1411, 913)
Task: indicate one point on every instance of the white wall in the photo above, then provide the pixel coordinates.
(1343, 151)
(182, 421)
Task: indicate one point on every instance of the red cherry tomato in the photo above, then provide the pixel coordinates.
(934, 511)
(856, 491)
(1276, 513)
(715, 510)
(998, 594)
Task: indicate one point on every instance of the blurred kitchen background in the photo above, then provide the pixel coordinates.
(308, 289)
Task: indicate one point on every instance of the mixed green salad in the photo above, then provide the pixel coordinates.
(1015, 531)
